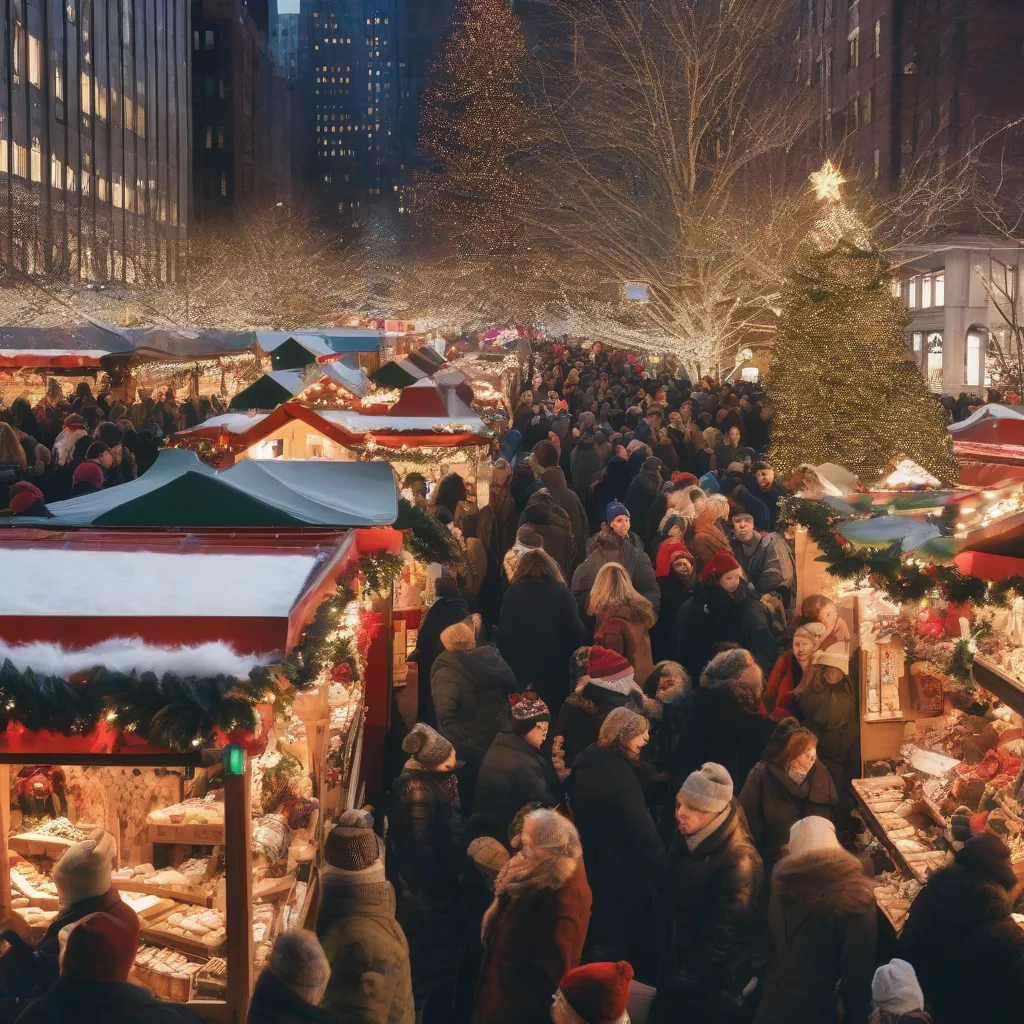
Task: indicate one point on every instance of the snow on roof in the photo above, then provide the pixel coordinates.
(232, 422)
(150, 584)
(290, 380)
(356, 423)
(988, 412)
(909, 474)
(351, 378)
(48, 353)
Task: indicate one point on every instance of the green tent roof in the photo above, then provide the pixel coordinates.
(391, 375)
(181, 491)
(269, 391)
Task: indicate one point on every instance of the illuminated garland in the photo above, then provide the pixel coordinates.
(886, 569)
(427, 539)
(171, 711)
(380, 570)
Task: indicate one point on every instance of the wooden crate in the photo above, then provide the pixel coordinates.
(154, 932)
(185, 835)
(32, 844)
(173, 987)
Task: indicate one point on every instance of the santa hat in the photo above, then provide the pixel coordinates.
(718, 566)
(609, 670)
(22, 496)
(668, 552)
(99, 947)
(597, 993)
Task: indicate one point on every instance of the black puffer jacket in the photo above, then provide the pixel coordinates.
(714, 892)
(966, 949)
(513, 774)
(629, 553)
(274, 1003)
(469, 690)
(581, 716)
(712, 617)
(425, 819)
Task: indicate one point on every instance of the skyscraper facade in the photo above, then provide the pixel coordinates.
(94, 172)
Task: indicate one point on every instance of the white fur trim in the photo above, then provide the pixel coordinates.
(573, 1017)
(124, 655)
(624, 684)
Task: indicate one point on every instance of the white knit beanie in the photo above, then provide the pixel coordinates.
(298, 961)
(811, 835)
(83, 872)
(895, 988)
(708, 789)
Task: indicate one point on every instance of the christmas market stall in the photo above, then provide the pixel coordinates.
(990, 445)
(220, 694)
(930, 585)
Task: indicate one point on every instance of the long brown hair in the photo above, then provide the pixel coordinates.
(537, 564)
(11, 450)
(613, 592)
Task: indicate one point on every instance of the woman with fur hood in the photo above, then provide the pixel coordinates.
(967, 950)
(707, 538)
(533, 932)
(823, 920)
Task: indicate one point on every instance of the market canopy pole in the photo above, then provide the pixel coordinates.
(238, 885)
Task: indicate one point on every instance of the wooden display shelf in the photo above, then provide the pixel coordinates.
(32, 844)
(42, 900)
(185, 835)
(164, 893)
(990, 676)
(175, 988)
(157, 936)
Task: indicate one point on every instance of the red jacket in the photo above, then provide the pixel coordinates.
(778, 701)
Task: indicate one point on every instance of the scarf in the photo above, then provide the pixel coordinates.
(692, 842)
(523, 875)
(797, 776)
(64, 446)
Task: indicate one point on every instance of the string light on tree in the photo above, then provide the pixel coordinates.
(842, 388)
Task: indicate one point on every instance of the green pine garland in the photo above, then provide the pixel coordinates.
(380, 570)
(886, 568)
(171, 711)
(427, 539)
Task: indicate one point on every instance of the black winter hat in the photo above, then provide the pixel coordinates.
(110, 434)
(988, 854)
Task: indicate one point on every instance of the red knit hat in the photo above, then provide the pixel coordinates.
(722, 563)
(605, 667)
(100, 948)
(598, 992)
(668, 552)
(90, 473)
(74, 422)
(684, 479)
(22, 496)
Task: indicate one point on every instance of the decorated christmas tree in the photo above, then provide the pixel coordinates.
(473, 123)
(842, 388)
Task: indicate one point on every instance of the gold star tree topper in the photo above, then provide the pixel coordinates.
(827, 182)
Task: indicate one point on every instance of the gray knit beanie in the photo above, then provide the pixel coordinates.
(427, 745)
(708, 789)
(300, 964)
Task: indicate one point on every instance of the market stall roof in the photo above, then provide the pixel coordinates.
(181, 491)
(348, 427)
(987, 414)
(427, 398)
(232, 422)
(397, 373)
(342, 371)
(288, 350)
(270, 390)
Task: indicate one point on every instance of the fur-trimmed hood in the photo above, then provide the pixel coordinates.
(832, 880)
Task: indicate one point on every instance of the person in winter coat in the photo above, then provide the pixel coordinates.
(720, 722)
(370, 980)
(622, 618)
(496, 531)
(967, 950)
(724, 610)
(643, 490)
(540, 627)
(291, 986)
(595, 993)
(826, 702)
(789, 784)
(25, 499)
(527, 539)
(425, 817)
(896, 996)
(515, 770)
(93, 987)
(567, 499)
(617, 543)
(469, 684)
(608, 683)
(612, 486)
(585, 464)
(715, 877)
(84, 886)
(622, 851)
(764, 558)
(449, 608)
(779, 701)
(741, 500)
(675, 570)
(707, 538)
(533, 932)
(668, 689)
(768, 490)
(823, 920)
(554, 527)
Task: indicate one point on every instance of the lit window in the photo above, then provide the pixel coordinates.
(878, 164)
(878, 38)
(895, 287)
(939, 288)
(917, 340)
(35, 61)
(58, 81)
(85, 98)
(912, 293)
(972, 374)
(854, 40)
(926, 291)
(209, 137)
